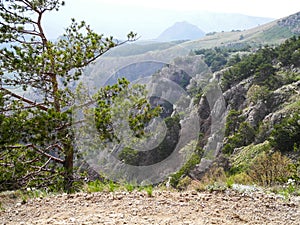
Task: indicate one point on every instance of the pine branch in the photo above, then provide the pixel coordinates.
(41, 151)
(38, 105)
(103, 51)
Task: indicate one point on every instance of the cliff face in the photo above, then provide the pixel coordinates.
(291, 22)
(261, 116)
(262, 111)
(227, 120)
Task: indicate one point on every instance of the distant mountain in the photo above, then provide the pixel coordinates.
(206, 21)
(181, 31)
(271, 33)
(210, 22)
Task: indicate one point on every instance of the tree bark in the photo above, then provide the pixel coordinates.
(68, 167)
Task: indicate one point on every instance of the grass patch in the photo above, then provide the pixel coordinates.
(129, 187)
(95, 186)
(149, 190)
(276, 32)
(242, 160)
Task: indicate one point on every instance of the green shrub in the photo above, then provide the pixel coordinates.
(184, 183)
(269, 169)
(129, 187)
(187, 167)
(256, 93)
(112, 186)
(233, 120)
(129, 156)
(240, 178)
(286, 135)
(95, 186)
(149, 190)
(244, 136)
(242, 160)
(214, 180)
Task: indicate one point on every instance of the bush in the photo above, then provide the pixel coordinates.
(129, 156)
(187, 167)
(184, 183)
(213, 180)
(162, 151)
(286, 135)
(241, 178)
(270, 169)
(215, 58)
(256, 93)
(243, 159)
(244, 136)
(149, 190)
(289, 52)
(232, 122)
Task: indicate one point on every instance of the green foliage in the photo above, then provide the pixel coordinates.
(119, 101)
(265, 74)
(286, 135)
(234, 60)
(184, 171)
(129, 156)
(243, 159)
(159, 153)
(149, 190)
(269, 169)
(95, 186)
(251, 65)
(215, 58)
(184, 183)
(295, 168)
(219, 57)
(213, 180)
(112, 186)
(129, 187)
(99, 186)
(219, 187)
(289, 52)
(233, 121)
(244, 136)
(261, 64)
(36, 193)
(257, 93)
(36, 145)
(239, 178)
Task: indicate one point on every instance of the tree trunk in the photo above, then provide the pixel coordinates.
(68, 167)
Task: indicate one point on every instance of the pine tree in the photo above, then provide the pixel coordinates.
(36, 139)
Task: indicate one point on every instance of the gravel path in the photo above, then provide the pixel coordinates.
(164, 207)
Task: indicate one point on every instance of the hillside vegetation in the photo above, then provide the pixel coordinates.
(247, 83)
(262, 127)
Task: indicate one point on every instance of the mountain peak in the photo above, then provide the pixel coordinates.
(181, 31)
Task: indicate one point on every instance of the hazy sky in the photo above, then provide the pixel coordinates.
(264, 8)
(117, 17)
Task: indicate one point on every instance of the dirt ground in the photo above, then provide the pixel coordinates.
(163, 207)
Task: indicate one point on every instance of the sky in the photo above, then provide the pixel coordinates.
(151, 17)
(274, 9)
